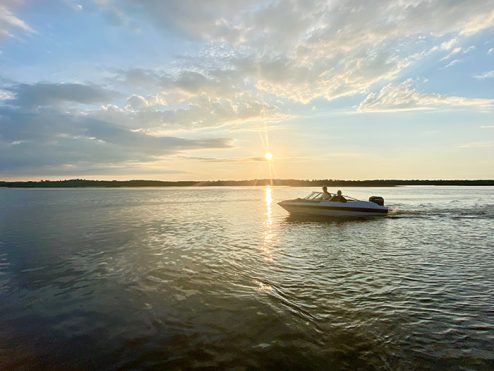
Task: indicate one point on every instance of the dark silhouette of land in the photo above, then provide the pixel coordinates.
(81, 183)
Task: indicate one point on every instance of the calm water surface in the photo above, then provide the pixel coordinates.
(222, 277)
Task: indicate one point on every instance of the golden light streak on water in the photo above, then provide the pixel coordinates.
(268, 199)
(268, 225)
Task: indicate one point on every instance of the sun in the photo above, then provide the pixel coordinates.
(268, 156)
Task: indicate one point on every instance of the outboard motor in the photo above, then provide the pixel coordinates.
(377, 200)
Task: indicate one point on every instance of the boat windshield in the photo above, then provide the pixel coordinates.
(314, 196)
(317, 196)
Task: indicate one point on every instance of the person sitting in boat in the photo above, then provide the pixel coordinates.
(338, 198)
(325, 194)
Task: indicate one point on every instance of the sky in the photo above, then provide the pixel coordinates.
(201, 90)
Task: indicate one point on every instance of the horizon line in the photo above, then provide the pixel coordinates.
(81, 182)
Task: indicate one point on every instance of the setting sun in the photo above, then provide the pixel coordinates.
(268, 156)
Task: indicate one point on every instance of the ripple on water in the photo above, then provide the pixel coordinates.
(181, 278)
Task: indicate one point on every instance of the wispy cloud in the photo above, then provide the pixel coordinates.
(53, 94)
(485, 75)
(483, 144)
(449, 44)
(403, 97)
(452, 63)
(6, 95)
(9, 21)
(222, 159)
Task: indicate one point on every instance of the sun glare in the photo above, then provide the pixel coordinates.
(268, 156)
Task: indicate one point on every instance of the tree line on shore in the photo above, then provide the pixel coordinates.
(80, 183)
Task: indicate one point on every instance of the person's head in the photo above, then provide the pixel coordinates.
(339, 193)
(325, 189)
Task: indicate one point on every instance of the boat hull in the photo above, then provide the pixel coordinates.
(334, 209)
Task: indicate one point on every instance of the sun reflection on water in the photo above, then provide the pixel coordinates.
(269, 199)
(268, 225)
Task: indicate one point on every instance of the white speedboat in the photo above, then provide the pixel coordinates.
(313, 204)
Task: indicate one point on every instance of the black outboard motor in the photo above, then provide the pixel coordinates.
(377, 200)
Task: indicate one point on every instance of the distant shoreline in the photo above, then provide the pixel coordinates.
(83, 183)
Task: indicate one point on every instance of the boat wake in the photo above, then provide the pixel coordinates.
(478, 212)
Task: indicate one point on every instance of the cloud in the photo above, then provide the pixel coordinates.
(476, 145)
(53, 94)
(197, 113)
(62, 128)
(6, 95)
(403, 97)
(485, 75)
(454, 50)
(9, 21)
(137, 102)
(298, 50)
(269, 77)
(480, 21)
(452, 63)
(448, 45)
(190, 100)
(247, 63)
(217, 159)
(215, 19)
(301, 50)
(187, 83)
(50, 139)
(280, 23)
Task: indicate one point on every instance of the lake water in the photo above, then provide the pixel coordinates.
(221, 277)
